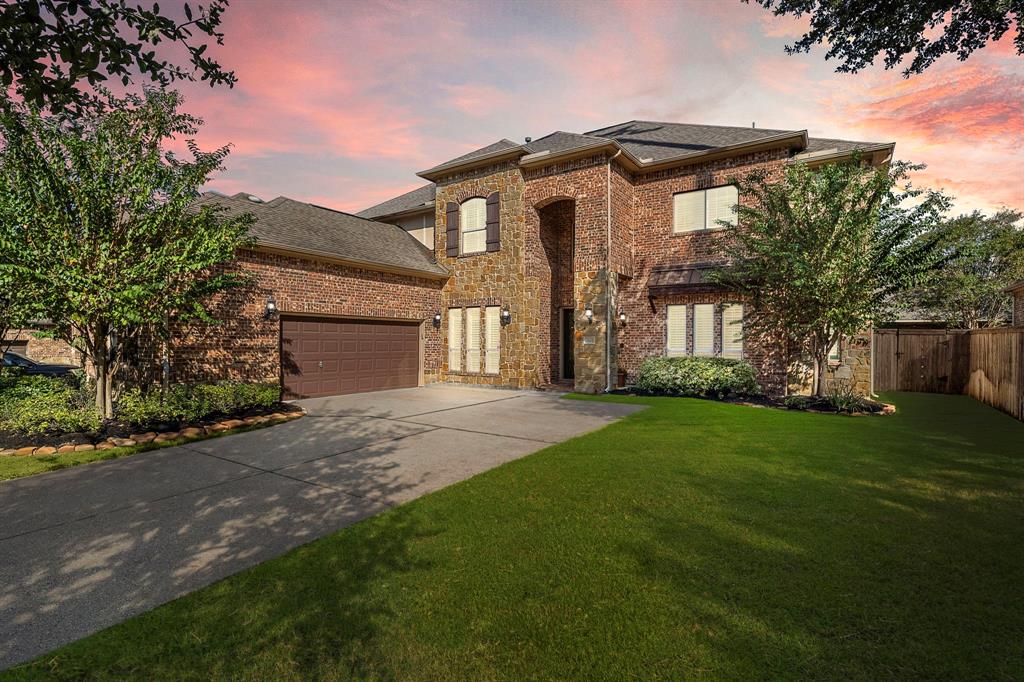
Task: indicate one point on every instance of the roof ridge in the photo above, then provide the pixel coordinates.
(702, 125)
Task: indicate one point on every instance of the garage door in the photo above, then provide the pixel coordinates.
(331, 357)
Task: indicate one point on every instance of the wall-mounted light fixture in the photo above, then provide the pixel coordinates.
(622, 318)
(437, 320)
(270, 310)
(506, 316)
(588, 313)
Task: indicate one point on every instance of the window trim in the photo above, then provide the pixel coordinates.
(462, 226)
(706, 228)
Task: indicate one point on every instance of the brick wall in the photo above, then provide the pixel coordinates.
(245, 346)
(47, 351)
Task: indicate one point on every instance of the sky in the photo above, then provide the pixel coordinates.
(340, 103)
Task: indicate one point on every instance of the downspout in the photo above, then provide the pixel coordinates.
(607, 286)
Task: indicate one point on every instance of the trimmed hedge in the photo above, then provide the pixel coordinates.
(698, 377)
(34, 404)
(192, 402)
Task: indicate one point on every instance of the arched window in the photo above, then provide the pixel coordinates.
(473, 225)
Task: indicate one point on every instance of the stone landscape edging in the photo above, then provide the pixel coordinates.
(188, 433)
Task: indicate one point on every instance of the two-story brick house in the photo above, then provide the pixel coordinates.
(566, 259)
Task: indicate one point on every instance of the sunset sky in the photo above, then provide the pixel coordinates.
(340, 103)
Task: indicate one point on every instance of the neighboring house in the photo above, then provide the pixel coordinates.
(564, 260)
(28, 343)
(1017, 291)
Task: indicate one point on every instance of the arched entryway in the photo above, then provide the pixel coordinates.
(557, 220)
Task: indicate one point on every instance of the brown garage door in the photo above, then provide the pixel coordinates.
(330, 357)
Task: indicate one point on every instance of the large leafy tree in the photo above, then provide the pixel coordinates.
(857, 31)
(820, 253)
(98, 221)
(985, 255)
(50, 49)
(17, 307)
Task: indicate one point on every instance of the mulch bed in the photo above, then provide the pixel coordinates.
(116, 429)
(810, 403)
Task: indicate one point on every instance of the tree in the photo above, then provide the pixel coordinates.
(49, 48)
(820, 253)
(16, 309)
(857, 31)
(985, 255)
(98, 221)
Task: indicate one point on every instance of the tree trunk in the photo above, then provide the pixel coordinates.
(820, 363)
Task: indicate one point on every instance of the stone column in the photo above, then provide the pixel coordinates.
(590, 342)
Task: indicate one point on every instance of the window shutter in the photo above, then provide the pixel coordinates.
(732, 330)
(473, 340)
(493, 223)
(455, 340)
(704, 329)
(452, 229)
(492, 339)
(676, 337)
(688, 212)
(721, 201)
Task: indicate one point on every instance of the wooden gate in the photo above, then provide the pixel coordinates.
(925, 360)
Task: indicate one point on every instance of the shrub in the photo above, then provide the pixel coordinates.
(842, 397)
(797, 402)
(37, 404)
(698, 377)
(192, 402)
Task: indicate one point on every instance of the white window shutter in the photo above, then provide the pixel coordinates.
(455, 340)
(473, 340)
(721, 201)
(676, 337)
(492, 338)
(732, 330)
(473, 224)
(704, 329)
(688, 212)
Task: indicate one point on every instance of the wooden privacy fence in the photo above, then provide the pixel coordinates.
(986, 364)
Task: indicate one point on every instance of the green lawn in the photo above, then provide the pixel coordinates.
(692, 539)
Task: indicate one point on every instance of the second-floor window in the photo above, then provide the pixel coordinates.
(704, 208)
(473, 225)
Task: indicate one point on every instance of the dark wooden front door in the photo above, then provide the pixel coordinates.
(568, 370)
(331, 357)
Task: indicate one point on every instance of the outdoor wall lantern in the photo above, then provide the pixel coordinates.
(437, 320)
(588, 313)
(271, 309)
(506, 316)
(622, 318)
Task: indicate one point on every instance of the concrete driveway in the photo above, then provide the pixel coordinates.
(85, 548)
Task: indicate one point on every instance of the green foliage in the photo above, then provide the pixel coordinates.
(36, 404)
(821, 253)
(857, 32)
(796, 402)
(99, 222)
(842, 397)
(50, 49)
(985, 255)
(192, 402)
(699, 377)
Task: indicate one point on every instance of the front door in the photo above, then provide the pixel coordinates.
(568, 361)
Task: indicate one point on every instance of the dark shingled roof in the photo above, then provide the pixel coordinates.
(417, 198)
(651, 140)
(692, 278)
(561, 141)
(499, 146)
(305, 228)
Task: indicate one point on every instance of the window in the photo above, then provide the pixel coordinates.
(473, 225)
(676, 337)
(732, 330)
(835, 356)
(704, 329)
(473, 340)
(421, 227)
(701, 210)
(492, 339)
(455, 340)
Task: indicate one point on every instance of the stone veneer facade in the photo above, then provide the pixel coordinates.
(579, 234)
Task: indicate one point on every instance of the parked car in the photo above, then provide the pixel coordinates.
(29, 366)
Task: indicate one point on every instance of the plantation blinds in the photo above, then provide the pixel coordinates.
(704, 329)
(455, 340)
(473, 340)
(676, 337)
(473, 224)
(492, 339)
(702, 209)
(732, 330)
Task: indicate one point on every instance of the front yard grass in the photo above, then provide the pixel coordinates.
(691, 539)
